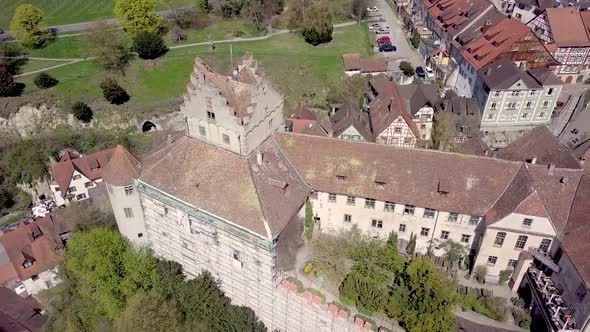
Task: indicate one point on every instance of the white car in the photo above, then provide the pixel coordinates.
(375, 27)
(429, 72)
(372, 9)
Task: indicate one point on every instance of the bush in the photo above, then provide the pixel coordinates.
(149, 45)
(522, 317)
(407, 68)
(113, 92)
(504, 276)
(308, 220)
(480, 273)
(8, 87)
(45, 81)
(82, 112)
(495, 307)
(318, 25)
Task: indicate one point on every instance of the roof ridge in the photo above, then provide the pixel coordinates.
(258, 202)
(505, 188)
(569, 211)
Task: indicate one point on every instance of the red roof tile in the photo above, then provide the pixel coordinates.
(567, 27)
(352, 62)
(18, 314)
(122, 168)
(91, 166)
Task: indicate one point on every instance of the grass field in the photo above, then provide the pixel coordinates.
(299, 70)
(73, 11)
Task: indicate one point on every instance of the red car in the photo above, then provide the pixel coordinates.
(383, 39)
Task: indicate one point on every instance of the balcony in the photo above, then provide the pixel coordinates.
(556, 312)
(542, 257)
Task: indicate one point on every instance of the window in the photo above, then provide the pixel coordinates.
(369, 203)
(27, 264)
(377, 223)
(389, 207)
(225, 138)
(402, 228)
(35, 277)
(340, 177)
(87, 184)
(71, 190)
(528, 104)
(532, 93)
(525, 115)
(76, 177)
(515, 93)
(453, 217)
(332, 198)
(270, 123)
(81, 196)
(521, 242)
(56, 189)
(545, 244)
(465, 238)
(397, 130)
(542, 115)
(409, 209)
(128, 190)
(493, 105)
(550, 91)
(210, 115)
(429, 213)
(545, 104)
(350, 200)
(444, 235)
(237, 259)
(424, 231)
(511, 263)
(347, 218)
(496, 94)
(473, 220)
(407, 140)
(139, 235)
(490, 116)
(527, 222)
(202, 131)
(423, 126)
(128, 212)
(511, 105)
(110, 188)
(581, 292)
(492, 260)
(499, 241)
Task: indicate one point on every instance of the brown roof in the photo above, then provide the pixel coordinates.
(387, 106)
(259, 198)
(454, 15)
(495, 41)
(567, 27)
(352, 62)
(474, 146)
(418, 95)
(122, 168)
(91, 166)
(19, 314)
(34, 241)
(474, 187)
(373, 65)
(348, 115)
(540, 143)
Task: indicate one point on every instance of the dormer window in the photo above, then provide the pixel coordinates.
(211, 116)
(380, 184)
(340, 177)
(443, 187)
(76, 177)
(27, 264)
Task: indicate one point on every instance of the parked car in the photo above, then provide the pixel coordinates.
(382, 31)
(429, 72)
(387, 47)
(420, 72)
(375, 27)
(372, 9)
(383, 39)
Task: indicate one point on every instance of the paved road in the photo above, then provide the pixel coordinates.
(396, 33)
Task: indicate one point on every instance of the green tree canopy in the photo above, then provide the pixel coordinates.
(443, 130)
(138, 15)
(317, 24)
(149, 312)
(28, 26)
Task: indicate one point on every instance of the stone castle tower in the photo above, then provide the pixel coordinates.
(236, 112)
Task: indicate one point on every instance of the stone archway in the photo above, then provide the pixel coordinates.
(568, 79)
(148, 126)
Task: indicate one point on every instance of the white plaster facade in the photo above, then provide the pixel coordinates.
(351, 133)
(424, 121)
(78, 188)
(42, 281)
(466, 78)
(126, 206)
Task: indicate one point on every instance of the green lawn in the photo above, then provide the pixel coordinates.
(73, 11)
(33, 64)
(224, 29)
(299, 70)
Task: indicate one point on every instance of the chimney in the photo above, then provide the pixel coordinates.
(551, 168)
(534, 160)
(563, 180)
(259, 157)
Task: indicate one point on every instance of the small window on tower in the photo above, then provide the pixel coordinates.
(210, 115)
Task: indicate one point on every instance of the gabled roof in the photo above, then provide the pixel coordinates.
(387, 106)
(567, 27)
(259, 198)
(348, 115)
(419, 95)
(352, 62)
(91, 166)
(122, 168)
(453, 15)
(19, 314)
(540, 144)
(503, 74)
(475, 30)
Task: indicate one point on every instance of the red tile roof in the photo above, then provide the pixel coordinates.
(454, 15)
(352, 62)
(387, 106)
(494, 42)
(122, 168)
(33, 241)
(91, 166)
(568, 27)
(19, 314)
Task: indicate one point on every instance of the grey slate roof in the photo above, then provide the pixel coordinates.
(503, 73)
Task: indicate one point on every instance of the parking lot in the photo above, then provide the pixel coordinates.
(386, 17)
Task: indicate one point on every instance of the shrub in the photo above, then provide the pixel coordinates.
(82, 112)
(317, 26)
(495, 307)
(45, 81)
(406, 68)
(504, 276)
(28, 26)
(113, 92)
(297, 282)
(8, 86)
(480, 273)
(308, 220)
(522, 317)
(149, 45)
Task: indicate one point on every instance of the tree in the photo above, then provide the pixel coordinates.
(367, 293)
(82, 111)
(415, 40)
(149, 312)
(443, 131)
(108, 46)
(317, 27)
(481, 271)
(308, 220)
(260, 12)
(504, 276)
(411, 247)
(8, 87)
(232, 8)
(113, 92)
(28, 26)
(359, 9)
(138, 15)
(45, 81)
(203, 6)
(351, 90)
(297, 10)
(454, 252)
(82, 216)
(149, 45)
(407, 68)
